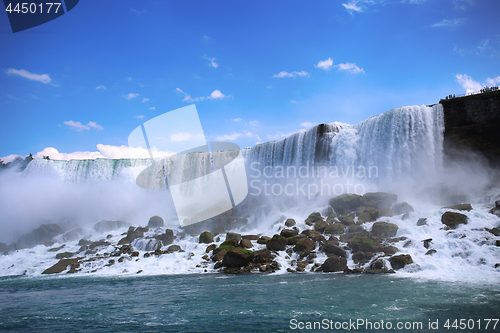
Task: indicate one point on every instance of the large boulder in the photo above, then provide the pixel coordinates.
(313, 218)
(320, 226)
(166, 238)
(206, 238)
(305, 245)
(384, 229)
(108, 225)
(237, 258)
(233, 235)
(246, 243)
(345, 203)
(466, 207)
(132, 234)
(335, 229)
(41, 235)
(155, 222)
(453, 220)
(334, 264)
(330, 248)
(61, 265)
(262, 256)
(402, 208)
(365, 244)
(289, 233)
(378, 199)
(277, 243)
(400, 261)
(290, 223)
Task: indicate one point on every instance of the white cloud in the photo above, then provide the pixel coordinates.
(293, 101)
(128, 78)
(352, 7)
(101, 87)
(448, 23)
(493, 82)
(254, 123)
(306, 124)
(468, 83)
(179, 137)
(292, 74)
(350, 67)
(152, 108)
(104, 151)
(325, 64)
(10, 158)
(78, 126)
(237, 119)
(131, 95)
(140, 116)
(462, 4)
(483, 48)
(145, 99)
(216, 94)
(44, 78)
(214, 64)
(235, 136)
(279, 135)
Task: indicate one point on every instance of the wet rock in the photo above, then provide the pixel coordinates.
(305, 245)
(277, 243)
(359, 257)
(390, 250)
(289, 233)
(384, 229)
(290, 223)
(466, 207)
(421, 221)
(497, 243)
(427, 242)
(251, 237)
(54, 249)
(495, 231)
(313, 218)
(320, 226)
(166, 238)
(84, 242)
(218, 255)
(132, 234)
(206, 238)
(263, 240)
(108, 225)
(310, 233)
(320, 239)
(400, 261)
(333, 240)
(174, 248)
(41, 235)
(334, 264)
(365, 244)
(262, 256)
(365, 217)
(335, 229)
(246, 244)
(237, 258)
(63, 255)
(430, 252)
(155, 222)
(233, 235)
(330, 249)
(293, 240)
(402, 208)
(142, 229)
(61, 266)
(385, 211)
(345, 203)
(378, 199)
(346, 220)
(453, 220)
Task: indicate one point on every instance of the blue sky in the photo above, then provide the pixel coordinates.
(256, 71)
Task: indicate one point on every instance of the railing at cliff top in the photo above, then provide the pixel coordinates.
(482, 91)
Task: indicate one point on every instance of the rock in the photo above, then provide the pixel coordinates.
(41, 235)
(313, 218)
(365, 217)
(385, 211)
(402, 208)
(453, 220)
(262, 256)
(466, 207)
(365, 244)
(305, 245)
(210, 248)
(345, 203)
(251, 237)
(233, 235)
(132, 234)
(290, 223)
(330, 248)
(61, 266)
(494, 231)
(384, 229)
(54, 249)
(422, 221)
(206, 238)
(293, 240)
(430, 252)
(174, 248)
(359, 257)
(427, 242)
(166, 238)
(311, 233)
(237, 258)
(400, 261)
(108, 225)
(320, 226)
(263, 240)
(318, 239)
(218, 264)
(142, 229)
(333, 240)
(346, 220)
(73, 234)
(3, 247)
(378, 199)
(289, 233)
(335, 229)
(63, 255)
(334, 264)
(497, 265)
(246, 244)
(277, 243)
(84, 242)
(218, 255)
(93, 245)
(155, 222)
(390, 250)
(497, 243)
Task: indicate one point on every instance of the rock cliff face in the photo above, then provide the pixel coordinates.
(473, 123)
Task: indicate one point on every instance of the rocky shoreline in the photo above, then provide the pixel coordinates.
(324, 242)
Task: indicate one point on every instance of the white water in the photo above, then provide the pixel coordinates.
(404, 144)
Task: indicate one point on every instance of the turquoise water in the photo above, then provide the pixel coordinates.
(238, 303)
